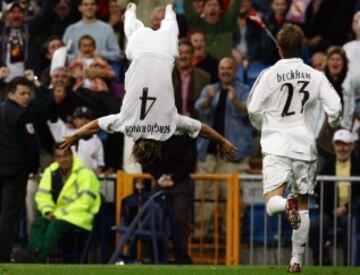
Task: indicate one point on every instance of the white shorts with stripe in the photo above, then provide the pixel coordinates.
(300, 175)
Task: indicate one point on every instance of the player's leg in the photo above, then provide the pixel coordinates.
(275, 201)
(276, 174)
(300, 235)
(304, 183)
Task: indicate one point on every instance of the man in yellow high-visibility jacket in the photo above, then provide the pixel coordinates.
(68, 197)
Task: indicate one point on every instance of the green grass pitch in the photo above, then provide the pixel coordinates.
(32, 269)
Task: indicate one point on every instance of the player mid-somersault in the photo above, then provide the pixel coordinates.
(148, 112)
(282, 105)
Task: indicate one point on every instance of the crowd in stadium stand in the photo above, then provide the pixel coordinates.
(224, 44)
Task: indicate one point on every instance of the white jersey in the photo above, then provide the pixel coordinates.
(90, 150)
(148, 109)
(282, 104)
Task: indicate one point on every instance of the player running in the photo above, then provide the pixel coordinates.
(148, 113)
(281, 105)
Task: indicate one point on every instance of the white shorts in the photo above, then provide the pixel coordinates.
(300, 175)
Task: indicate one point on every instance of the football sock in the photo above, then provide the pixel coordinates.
(299, 238)
(275, 205)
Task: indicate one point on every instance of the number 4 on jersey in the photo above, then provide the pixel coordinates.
(144, 99)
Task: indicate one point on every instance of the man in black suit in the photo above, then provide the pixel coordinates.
(19, 156)
(172, 173)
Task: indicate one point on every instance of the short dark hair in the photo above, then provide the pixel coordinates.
(57, 147)
(290, 40)
(193, 31)
(219, 2)
(147, 151)
(186, 42)
(87, 37)
(47, 42)
(96, 2)
(17, 81)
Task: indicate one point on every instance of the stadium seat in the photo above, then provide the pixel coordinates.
(253, 71)
(259, 237)
(240, 73)
(149, 223)
(76, 244)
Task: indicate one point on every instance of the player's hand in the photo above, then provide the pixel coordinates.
(227, 149)
(68, 142)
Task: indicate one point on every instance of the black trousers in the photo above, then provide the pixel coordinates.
(12, 201)
(181, 204)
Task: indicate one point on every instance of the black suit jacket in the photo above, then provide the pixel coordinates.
(178, 158)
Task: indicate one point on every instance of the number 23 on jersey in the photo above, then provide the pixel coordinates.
(289, 88)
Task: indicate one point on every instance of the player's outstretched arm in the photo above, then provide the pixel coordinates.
(225, 146)
(87, 130)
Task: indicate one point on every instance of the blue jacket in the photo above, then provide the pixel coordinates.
(237, 126)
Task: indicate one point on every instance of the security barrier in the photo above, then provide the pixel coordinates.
(250, 233)
(267, 240)
(125, 187)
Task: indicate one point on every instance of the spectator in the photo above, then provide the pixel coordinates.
(175, 179)
(50, 46)
(336, 71)
(156, 17)
(352, 48)
(338, 75)
(65, 13)
(89, 150)
(297, 10)
(198, 6)
(247, 45)
(57, 101)
(31, 7)
(342, 166)
(223, 106)
(321, 32)
(158, 14)
(92, 73)
(4, 73)
(68, 198)
(274, 21)
(19, 156)
(201, 59)
(106, 43)
(187, 80)
(17, 46)
(114, 19)
(318, 61)
(64, 101)
(88, 69)
(218, 29)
